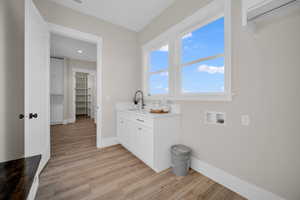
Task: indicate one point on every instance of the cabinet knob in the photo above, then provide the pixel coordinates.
(140, 129)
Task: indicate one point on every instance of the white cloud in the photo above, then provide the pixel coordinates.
(211, 69)
(164, 74)
(187, 91)
(187, 36)
(164, 48)
(161, 87)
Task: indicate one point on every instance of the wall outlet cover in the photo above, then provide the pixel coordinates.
(245, 120)
(215, 118)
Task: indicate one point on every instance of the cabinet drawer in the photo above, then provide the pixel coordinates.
(124, 115)
(143, 120)
(136, 118)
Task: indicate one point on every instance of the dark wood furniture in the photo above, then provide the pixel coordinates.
(17, 176)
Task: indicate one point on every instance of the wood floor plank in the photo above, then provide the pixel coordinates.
(78, 170)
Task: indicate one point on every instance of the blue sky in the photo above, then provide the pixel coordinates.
(207, 76)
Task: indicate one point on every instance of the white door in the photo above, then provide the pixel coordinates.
(37, 111)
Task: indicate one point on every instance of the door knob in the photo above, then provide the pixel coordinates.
(33, 115)
(21, 116)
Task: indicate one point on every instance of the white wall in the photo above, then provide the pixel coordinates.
(11, 79)
(266, 82)
(121, 71)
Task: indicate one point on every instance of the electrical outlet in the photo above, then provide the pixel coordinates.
(245, 120)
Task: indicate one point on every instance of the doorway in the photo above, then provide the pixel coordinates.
(37, 94)
(78, 55)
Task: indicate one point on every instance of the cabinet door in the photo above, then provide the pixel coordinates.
(123, 132)
(120, 130)
(134, 139)
(127, 136)
(145, 136)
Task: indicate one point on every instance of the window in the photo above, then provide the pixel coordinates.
(196, 62)
(158, 71)
(202, 59)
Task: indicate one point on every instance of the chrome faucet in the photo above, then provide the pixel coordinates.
(137, 100)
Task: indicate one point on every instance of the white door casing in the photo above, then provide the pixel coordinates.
(87, 37)
(37, 62)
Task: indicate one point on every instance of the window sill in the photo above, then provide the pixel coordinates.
(194, 97)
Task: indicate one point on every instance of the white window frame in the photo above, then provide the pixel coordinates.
(213, 11)
(147, 73)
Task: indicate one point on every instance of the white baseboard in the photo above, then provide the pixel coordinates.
(56, 123)
(106, 142)
(33, 189)
(233, 183)
(68, 121)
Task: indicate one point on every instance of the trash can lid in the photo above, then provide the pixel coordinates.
(181, 149)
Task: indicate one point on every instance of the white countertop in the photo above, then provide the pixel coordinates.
(144, 113)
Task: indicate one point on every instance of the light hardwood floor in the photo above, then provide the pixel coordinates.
(78, 170)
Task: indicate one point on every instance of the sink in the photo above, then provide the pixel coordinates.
(133, 109)
(143, 111)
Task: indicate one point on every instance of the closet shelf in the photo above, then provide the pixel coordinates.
(82, 88)
(82, 94)
(81, 107)
(81, 77)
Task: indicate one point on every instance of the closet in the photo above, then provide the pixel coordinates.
(83, 99)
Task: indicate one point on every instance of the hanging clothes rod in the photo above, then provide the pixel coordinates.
(54, 57)
(273, 10)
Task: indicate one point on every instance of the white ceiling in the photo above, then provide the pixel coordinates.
(67, 47)
(131, 14)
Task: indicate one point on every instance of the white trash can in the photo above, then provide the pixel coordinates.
(181, 159)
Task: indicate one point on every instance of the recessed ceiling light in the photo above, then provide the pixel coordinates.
(79, 51)
(78, 1)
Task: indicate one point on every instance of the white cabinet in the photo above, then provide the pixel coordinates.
(56, 76)
(149, 137)
(56, 91)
